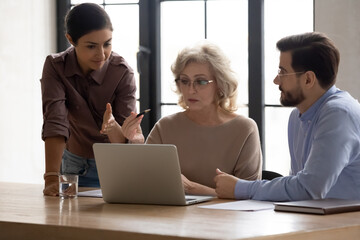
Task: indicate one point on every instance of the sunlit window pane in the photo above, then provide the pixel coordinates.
(227, 26)
(126, 36)
(121, 1)
(89, 1)
(182, 24)
(277, 150)
(243, 110)
(282, 18)
(171, 109)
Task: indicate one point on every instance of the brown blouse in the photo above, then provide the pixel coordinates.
(73, 104)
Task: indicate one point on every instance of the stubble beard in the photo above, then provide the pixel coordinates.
(289, 99)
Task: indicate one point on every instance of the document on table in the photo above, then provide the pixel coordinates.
(92, 193)
(243, 205)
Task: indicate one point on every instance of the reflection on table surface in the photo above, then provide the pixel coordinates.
(26, 214)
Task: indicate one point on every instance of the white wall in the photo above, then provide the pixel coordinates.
(339, 19)
(28, 35)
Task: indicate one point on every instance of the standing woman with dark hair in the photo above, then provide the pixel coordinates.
(78, 85)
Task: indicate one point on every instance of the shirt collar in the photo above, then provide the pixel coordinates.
(98, 75)
(308, 115)
(72, 67)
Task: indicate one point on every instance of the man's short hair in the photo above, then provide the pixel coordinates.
(315, 52)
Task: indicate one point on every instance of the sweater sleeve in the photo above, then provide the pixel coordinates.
(154, 136)
(249, 163)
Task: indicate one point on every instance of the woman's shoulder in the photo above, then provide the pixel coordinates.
(172, 118)
(61, 56)
(241, 122)
(167, 126)
(116, 59)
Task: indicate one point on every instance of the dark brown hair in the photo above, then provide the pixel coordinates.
(85, 18)
(315, 52)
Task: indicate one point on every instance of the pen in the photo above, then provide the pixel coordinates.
(142, 113)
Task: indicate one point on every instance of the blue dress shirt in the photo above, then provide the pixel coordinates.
(324, 144)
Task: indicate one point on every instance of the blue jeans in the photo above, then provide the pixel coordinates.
(84, 167)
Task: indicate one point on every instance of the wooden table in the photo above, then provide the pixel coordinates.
(26, 214)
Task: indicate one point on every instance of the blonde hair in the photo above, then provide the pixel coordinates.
(206, 52)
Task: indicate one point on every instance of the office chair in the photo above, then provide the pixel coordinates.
(269, 175)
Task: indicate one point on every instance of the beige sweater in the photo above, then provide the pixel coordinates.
(233, 147)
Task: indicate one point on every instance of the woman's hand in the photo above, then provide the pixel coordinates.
(130, 129)
(51, 186)
(194, 188)
(109, 123)
(188, 186)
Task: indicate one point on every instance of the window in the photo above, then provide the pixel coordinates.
(281, 18)
(184, 23)
(224, 22)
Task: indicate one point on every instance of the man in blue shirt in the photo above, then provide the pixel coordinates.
(323, 130)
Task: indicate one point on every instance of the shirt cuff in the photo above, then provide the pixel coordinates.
(242, 189)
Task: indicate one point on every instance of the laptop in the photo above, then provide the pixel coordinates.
(141, 174)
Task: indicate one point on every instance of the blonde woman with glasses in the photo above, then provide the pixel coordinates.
(208, 134)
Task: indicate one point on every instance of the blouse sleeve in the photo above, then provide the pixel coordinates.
(53, 103)
(125, 99)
